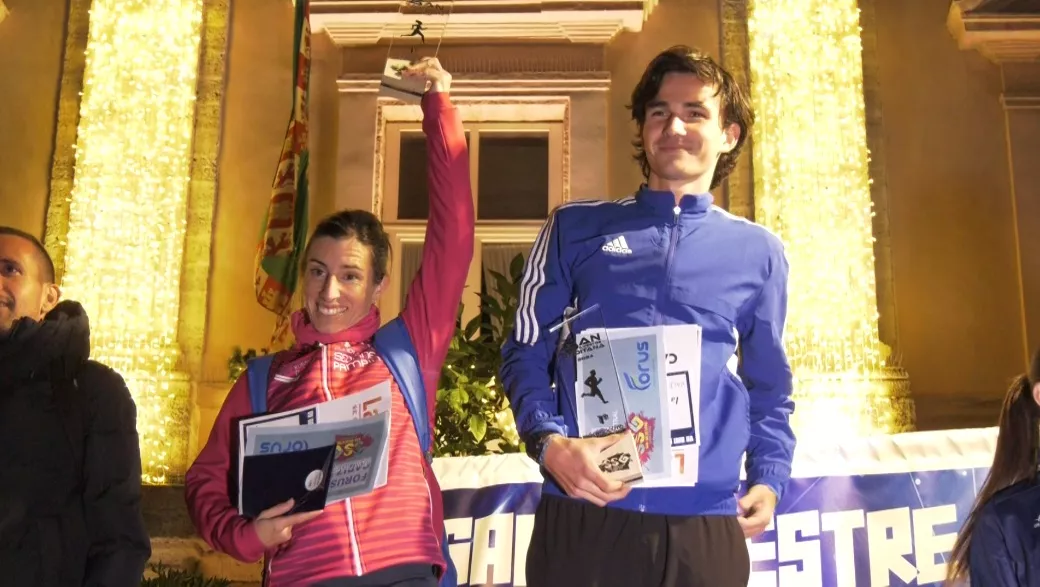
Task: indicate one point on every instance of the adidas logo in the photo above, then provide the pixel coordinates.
(619, 245)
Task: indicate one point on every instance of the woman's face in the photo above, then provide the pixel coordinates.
(339, 285)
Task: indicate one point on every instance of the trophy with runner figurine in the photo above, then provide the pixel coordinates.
(421, 17)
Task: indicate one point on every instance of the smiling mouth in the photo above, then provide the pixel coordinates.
(327, 311)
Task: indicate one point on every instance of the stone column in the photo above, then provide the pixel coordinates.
(812, 188)
(124, 254)
(739, 187)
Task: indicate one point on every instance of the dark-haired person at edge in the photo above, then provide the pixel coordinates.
(391, 536)
(665, 256)
(999, 543)
(70, 462)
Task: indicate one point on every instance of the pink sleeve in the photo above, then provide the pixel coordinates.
(434, 294)
(206, 484)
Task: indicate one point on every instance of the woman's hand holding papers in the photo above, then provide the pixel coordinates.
(273, 527)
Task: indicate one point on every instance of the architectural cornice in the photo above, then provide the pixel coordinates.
(545, 84)
(1002, 31)
(367, 22)
(1012, 102)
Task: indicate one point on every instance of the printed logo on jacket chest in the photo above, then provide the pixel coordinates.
(349, 358)
(617, 246)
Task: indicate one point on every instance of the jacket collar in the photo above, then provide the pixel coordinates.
(306, 335)
(662, 203)
(56, 346)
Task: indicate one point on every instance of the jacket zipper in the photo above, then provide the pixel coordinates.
(349, 509)
(354, 539)
(668, 264)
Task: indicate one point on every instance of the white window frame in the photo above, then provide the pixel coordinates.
(487, 231)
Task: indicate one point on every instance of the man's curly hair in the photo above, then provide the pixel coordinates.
(734, 107)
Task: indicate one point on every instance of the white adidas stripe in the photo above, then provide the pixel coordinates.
(733, 216)
(526, 328)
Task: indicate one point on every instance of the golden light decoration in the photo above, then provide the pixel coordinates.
(129, 202)
(812, 188)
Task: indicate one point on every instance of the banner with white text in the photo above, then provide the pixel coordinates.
(887, 514)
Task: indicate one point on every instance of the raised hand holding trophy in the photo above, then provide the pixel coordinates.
(426, 16)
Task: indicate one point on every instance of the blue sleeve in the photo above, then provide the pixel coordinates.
(988, 562)
(766, 373)
(545, 293)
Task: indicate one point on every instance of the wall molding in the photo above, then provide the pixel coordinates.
(525, 84)
(369, 22)
(999, 36)
(1020, 102)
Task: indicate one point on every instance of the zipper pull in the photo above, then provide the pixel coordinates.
(677, 211)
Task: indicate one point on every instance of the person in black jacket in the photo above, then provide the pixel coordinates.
(70, 465)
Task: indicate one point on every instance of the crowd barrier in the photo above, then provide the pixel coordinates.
(880, 511)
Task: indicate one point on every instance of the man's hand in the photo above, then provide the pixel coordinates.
(430, 68)
(756, 510)
(572, 463)
(274, 528)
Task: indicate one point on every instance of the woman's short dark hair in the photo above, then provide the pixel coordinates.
(734, 107)
(361, 225)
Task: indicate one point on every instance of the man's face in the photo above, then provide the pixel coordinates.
(24, 287)
(683, 134)
(339, 285)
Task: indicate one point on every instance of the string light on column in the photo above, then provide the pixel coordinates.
(128, 206)
(812, 187)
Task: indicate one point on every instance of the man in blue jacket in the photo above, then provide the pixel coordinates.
(665, 256)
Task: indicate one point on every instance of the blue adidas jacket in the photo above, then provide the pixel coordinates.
(646, 261)
(1005, 545)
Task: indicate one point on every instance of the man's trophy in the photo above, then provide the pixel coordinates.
(619, 388)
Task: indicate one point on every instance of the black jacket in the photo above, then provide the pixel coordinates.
(70, 465)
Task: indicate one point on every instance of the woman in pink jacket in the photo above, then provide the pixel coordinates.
(391, 536)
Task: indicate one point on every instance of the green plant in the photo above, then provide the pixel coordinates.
(473, 415)
(166, 576)
(237, 362)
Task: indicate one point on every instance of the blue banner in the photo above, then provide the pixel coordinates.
(838, 531)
